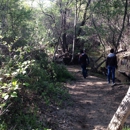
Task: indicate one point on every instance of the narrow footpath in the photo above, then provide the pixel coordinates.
(93, 105)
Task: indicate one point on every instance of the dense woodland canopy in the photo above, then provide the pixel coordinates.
(34, 36)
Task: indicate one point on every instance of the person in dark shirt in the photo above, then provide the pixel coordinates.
(111, 64)
(84, 61)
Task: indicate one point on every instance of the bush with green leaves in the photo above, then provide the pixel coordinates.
(60, 73)
(28, 76)
(126, 128)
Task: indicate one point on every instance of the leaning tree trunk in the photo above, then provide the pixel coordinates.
(123, 111)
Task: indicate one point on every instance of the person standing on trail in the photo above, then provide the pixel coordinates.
(84, 61)
(111, 64)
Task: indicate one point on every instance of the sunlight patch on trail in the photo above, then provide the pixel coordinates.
(89, 83)
(87, 101)
(99, 83)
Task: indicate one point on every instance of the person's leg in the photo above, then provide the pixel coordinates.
(108, 73)
(84, 70)
(113, 74)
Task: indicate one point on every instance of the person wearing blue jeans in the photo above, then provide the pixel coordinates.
(111, 73)
(111, 64)
(84, 61)
(84, 71)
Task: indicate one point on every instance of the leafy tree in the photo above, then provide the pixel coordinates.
(111, 17)
(26, 70)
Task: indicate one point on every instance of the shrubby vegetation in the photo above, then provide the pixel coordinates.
(26, 76)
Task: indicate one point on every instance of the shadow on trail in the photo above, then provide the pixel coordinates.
(94, 102)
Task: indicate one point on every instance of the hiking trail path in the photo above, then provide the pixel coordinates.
(94, 102)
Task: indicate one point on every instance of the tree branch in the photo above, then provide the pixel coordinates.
(123, 24)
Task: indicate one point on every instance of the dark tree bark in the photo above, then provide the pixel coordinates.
(84, 17)
(83, 22)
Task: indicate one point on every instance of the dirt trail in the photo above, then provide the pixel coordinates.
(94, 103)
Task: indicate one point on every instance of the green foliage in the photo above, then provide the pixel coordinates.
(27, 75)
(17, 16)
(26, 72)
(108, 17)
(21, 120)
(61, 73)
(126, 128)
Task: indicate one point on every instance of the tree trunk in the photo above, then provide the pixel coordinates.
(99, 58)
(101, 41)
(82, 24)
(121, 114)
(84, 17)
(74, 35)
(65, 47)
(100, 64)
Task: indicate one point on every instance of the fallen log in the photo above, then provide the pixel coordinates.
(120, 116)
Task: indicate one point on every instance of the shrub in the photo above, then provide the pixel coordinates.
(27, 78)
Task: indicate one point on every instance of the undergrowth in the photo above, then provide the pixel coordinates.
(29, 79)
(126, 128)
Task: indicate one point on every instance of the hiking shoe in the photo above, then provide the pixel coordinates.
(113, 84)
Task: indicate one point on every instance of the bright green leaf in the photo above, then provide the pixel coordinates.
(14, 94)
(14, 83)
